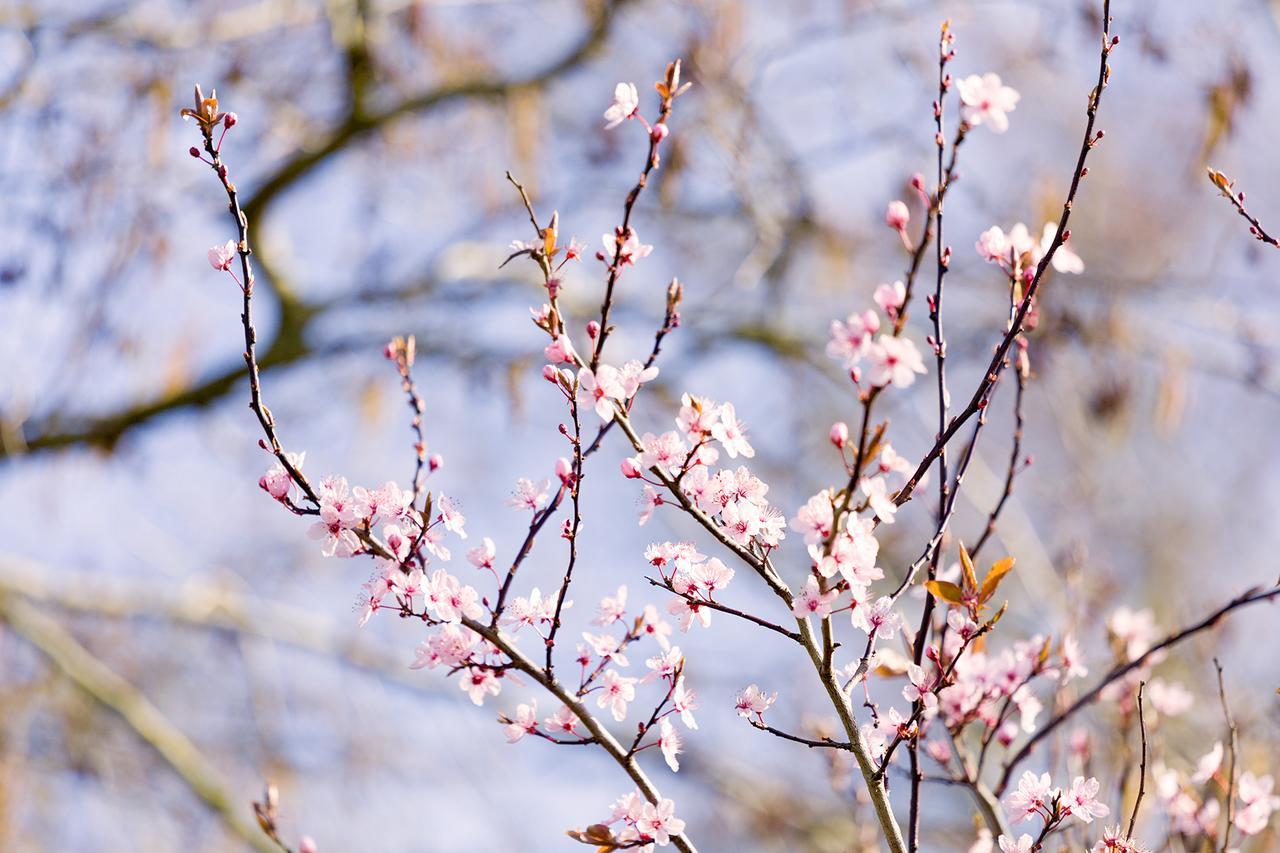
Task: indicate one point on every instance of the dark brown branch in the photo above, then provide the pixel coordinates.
(723, 608)
(1142, 765)
(1231, 766)
(827, 743)
(1236, 197)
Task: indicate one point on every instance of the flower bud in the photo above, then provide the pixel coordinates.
(435, 462)
(896, 215)
(630, 469)
(564, 470)
(839, 434)
(550, 374)
(593, 329)
(194, 152)
(229, 120)
(659, 132)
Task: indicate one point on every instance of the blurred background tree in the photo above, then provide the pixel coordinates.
(147, 587)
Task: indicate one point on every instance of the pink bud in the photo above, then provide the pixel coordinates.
(917, 182)
(194, 151)
(593, 329)
(550, 374)
(564, 470)
(896, 215)
(306, 845)
(389, 351)
(229, 120)
(659, 132)
(839, 434)
(435, 461)
(630, 469)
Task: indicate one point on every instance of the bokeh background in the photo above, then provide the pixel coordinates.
(137, 553)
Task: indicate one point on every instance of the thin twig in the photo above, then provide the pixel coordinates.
(1142, 765)
(1231, 766)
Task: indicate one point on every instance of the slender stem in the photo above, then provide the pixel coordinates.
(1231, 766)
(1142, 765)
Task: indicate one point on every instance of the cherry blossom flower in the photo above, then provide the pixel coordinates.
(277, 482)
(626, 102)
(633, 374)
(1072, 660)
(1082, 800)
(919, 688)
(607, 647)
(893, 361)
(684, 701)
(711, 576)
(877, 493)
(1134, 630)
(687, 611)
(563, 721)
(450, 600)
(663, 665)
(612, 608)
(1032, 796)
(659, 822)
(528, 494)
(1064, 260)
(601, 389)
(221, 257)
(811, 601)
(615, 692)
(851, 340)
(525, 722)
(752, 702)
(653, 625)
(666, 452)
(1208, 765)
(853, 554)
(626, 250)
(453, 520)
(482, 556)
(813, 520)
(729, 432)
(1022, 845)
(878, 617)
(985, 100)
(1255, 794)
(1170, 699)
(651, 500)
(560, 350)
(669, 742)
(450, 646)
(1114, 841)
(531, 610)
(479, 682)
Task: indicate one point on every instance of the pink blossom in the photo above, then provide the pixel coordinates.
(1208, 765)
(1032, 796)
(453, 520)
(651, 500)
(601, 389)
(633, 374)
(813, 520)
(666, 452)
(919, 688)
(811, 601)
(853, 554)
(626, 250)
(711, 577)
(306, 844)
(653, 625)
(659, 822)
(896, 215)
(684, 701)
(878, 617)
(525, 722)
(669, 742)
(221, 257)
(615, 692)
(893, 361)
(563, 721)
(839, 435)
(626, 101)
(482, 555)
(607, 647)
(751, 701)
(1064, 260)
(450, 646)
(1082, 800)
(528, 494)
(479, 682)
(560, 350)
(890, 297)
(1134, 630)
(687, 611)
(1022, 845)
(877, 494)
(852, 339)
(612, 608)
(992, 245)
(985, 100)
(1169, 699)
(664, 665)
(729, 432)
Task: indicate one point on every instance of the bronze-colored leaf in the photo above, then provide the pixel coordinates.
(946, 591)
(993, 578)
(966, 565)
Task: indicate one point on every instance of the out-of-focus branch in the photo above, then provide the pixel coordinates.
(289, 345)
(101, 683)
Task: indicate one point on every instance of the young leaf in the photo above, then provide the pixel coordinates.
(966, 564)
(993, 578)
(946, 591)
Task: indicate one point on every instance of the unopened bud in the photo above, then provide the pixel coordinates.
(550, 374)
(659, 132)
(194, 151)
(229, 120)
(630, 469)
(593, 329)
(839, 434)
(435, 462)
